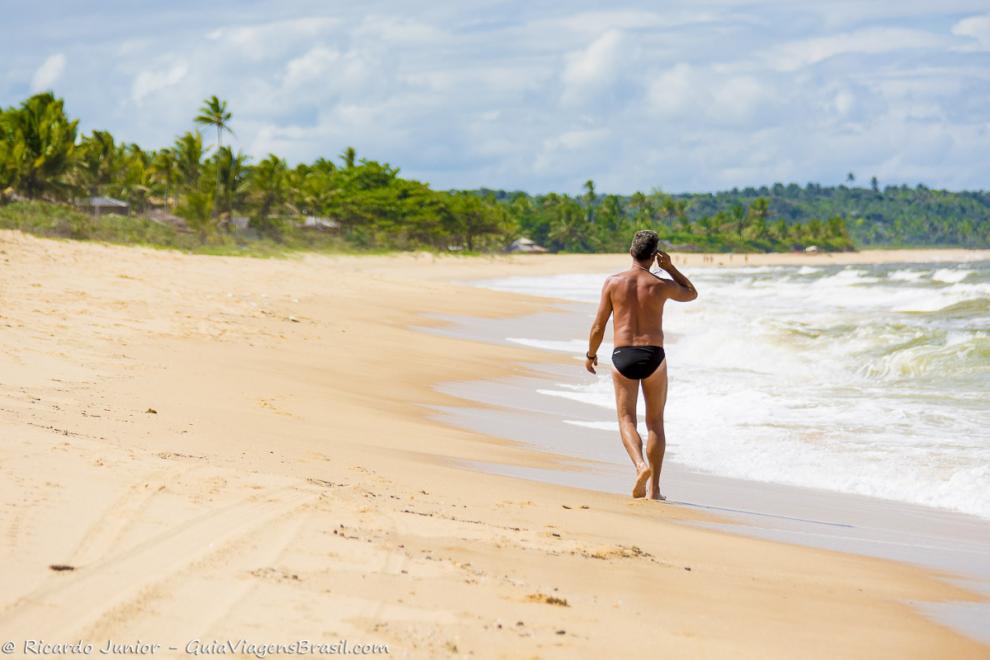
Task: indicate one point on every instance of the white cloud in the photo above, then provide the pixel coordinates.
(311, 67)
(723, 97)
(570, 148)
(325, 76)
(48, 73)
(591, 69)
(149, 81)
(844, 102)
(399, 31)
(797, 54)
(673, 92)
(541, 96)
(579, 139)
(272, 38)
(594, 22)
(976, 28)
(841, 14)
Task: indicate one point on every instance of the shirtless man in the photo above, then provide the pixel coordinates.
(636, 297)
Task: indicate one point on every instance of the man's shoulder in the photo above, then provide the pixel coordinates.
(616, 279)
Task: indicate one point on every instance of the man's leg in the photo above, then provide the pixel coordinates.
(655, 398)
(626, 393)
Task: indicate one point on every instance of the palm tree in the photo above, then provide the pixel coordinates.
(589, 199)
(233, 172)
(760, 208)
(97, 161)
(348, 155)
(135, 179)
(214, 112)
(37, 146)
(268, 186)
(189, 156)
(165, 169)
(589, 191)
(738, 213)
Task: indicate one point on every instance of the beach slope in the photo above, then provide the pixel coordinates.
(199, 449)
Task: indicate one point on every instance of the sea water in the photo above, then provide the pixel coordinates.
(868, 379)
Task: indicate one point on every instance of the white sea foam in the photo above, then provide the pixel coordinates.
(907, 275)
(573, 346)
(951, 275)
(844, 378)
(846, 276)
(600, 426)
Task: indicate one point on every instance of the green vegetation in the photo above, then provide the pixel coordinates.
(593, 223)
(759, 219)
(895, 216)
(58, 221)
(206, 197)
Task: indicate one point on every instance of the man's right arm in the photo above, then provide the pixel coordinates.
(598, 327)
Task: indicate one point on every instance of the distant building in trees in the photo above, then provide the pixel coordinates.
(320, 224)
(526, 246)
(239, 221)
(104, 205)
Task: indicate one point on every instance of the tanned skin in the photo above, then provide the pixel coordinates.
(635, 298)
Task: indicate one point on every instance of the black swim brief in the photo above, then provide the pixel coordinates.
(637, 362)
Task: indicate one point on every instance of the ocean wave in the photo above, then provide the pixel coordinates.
(964, 309)
(951, 275)
(868, 380)
(847, 277)
(907, 275)
(959, 353)
(934, 299)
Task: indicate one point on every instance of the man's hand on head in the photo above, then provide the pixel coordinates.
(663, 260)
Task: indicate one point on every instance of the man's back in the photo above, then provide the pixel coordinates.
(637, 308)
(635, 298)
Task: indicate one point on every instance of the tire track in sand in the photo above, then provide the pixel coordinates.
(119, 516)
(72, 600)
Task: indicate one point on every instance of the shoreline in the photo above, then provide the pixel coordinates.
(869, 256)
(210, 442)
(952, 544)
(548, 331)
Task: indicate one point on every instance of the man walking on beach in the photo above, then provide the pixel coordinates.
(636, 297)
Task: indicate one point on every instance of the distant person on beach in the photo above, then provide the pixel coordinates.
(636, 297)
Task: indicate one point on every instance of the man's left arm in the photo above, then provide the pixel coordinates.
(680, 289)
(598, 328)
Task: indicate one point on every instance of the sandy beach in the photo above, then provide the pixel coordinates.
(217, 448)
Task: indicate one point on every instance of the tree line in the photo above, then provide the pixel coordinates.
(45, 159)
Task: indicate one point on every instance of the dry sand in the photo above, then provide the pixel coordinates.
(228, 448)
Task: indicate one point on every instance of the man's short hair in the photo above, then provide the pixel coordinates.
(644, 245)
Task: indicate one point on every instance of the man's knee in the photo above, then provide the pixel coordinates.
(627, 418)
(654, 423)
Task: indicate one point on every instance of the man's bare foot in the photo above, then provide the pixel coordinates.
(642, 476)
(654, 494)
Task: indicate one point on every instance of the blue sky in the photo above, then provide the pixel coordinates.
(539, 96)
